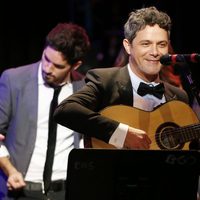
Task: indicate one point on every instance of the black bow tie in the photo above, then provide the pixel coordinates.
(157, 91)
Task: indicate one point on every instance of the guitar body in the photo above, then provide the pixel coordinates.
(160, 124)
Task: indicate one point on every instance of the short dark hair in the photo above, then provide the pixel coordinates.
(70, 39)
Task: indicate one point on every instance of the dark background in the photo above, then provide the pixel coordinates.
(24, 25)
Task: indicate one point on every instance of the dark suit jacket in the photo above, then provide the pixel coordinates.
(110, 86)
(18, 112)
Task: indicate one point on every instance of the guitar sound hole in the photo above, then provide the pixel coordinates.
(166, 138)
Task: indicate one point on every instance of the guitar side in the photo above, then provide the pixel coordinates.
(166, 117)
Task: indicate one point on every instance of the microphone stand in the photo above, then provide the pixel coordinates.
(195, 91)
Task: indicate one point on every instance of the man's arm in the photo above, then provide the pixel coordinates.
(15, 178)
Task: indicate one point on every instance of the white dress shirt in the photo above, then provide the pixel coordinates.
(147, 103)
(65, 139)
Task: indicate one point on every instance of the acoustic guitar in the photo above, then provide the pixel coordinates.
(170, 126)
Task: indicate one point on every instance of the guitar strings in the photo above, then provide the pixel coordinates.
(188, 133)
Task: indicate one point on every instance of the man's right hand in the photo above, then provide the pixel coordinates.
(137, 139)
(15, 178)
(15, 181)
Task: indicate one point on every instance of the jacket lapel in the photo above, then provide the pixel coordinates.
(32, 92)
(169, 95)
(124, 87)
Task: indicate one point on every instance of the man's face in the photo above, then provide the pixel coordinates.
(55, 70)
(145, 51)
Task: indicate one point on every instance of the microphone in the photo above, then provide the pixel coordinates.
(168, 59)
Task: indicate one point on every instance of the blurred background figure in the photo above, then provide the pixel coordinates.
(26, 117)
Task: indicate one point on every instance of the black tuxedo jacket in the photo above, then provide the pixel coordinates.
(105, 87)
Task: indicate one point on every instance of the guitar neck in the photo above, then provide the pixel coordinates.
(188, 133)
